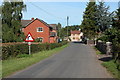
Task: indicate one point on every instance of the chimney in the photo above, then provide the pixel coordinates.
(32, 18)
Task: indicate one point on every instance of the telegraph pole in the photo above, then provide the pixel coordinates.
(67, 25)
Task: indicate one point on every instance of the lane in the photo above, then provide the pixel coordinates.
(75, 61)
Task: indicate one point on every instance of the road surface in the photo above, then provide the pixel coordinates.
(75, 61)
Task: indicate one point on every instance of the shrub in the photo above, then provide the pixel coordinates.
(22, 49)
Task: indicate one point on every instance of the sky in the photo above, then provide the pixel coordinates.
(57, 12)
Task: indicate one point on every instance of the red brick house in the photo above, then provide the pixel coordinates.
(39, 30)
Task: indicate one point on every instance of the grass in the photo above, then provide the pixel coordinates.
(112, 67)
(13, 65)
(0, 69)
(109, 65)
(97, 51)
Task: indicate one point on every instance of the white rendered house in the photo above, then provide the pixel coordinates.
(76, 36)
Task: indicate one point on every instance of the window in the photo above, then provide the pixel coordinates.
(40, 39)
(39, 29)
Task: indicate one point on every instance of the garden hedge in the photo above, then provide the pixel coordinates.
(14, 50)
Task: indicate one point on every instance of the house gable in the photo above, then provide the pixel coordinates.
(33, 27)
(26, 23)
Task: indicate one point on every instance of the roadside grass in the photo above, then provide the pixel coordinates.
(112, 67)
(109, 65)
(97, 51)
(0, 69)
(13, 65)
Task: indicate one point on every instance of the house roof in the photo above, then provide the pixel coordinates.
(75, 32)
(25, 23)
(54, 26)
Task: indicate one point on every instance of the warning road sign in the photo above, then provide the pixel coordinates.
(29, 38)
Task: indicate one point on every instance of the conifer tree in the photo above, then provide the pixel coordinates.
(103, 17)
(88, 25)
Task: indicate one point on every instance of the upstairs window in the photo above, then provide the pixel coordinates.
(39, 29)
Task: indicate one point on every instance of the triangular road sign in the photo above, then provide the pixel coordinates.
(29, 38)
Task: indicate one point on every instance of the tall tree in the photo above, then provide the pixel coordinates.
(89, 20)
(11, 20)
(59, 27)
(116, 22)
(103, 17)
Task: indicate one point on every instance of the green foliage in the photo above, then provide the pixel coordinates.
(89, 20)
(112, 67)
(11, 21)
(97, 51)
(19, 49)
(116, 20)
(59, 27)
(96, 19)
(103, 17)
(15, 64)
(112, 35)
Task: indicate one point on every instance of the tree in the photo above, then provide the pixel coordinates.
(11, 20)
(116, 20)
(103, 17)
(112, 34)
(89, 21)
(59, 29)
(63, 31)
(0, 23)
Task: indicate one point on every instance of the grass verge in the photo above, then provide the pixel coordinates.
(112, 68)
(109, 65)
(0, 69)
(13, 65)
(97, 51)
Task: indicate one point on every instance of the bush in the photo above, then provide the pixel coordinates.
(21, 49)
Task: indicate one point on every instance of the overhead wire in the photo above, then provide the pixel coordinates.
(47, 12)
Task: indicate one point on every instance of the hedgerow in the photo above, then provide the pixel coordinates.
(18, 49)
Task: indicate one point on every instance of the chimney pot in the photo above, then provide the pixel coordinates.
(32, 18)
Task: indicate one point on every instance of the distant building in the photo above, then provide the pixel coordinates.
(76, 35)
(40, 30)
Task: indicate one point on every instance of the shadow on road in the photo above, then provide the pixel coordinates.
(105, 59)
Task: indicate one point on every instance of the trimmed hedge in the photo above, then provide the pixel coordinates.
(18, 49)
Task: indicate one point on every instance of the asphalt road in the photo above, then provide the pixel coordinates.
(75, 61)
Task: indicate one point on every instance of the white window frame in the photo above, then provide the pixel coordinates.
(38, 29)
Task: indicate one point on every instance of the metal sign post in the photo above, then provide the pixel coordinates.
(29, 39)
(29, 43)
